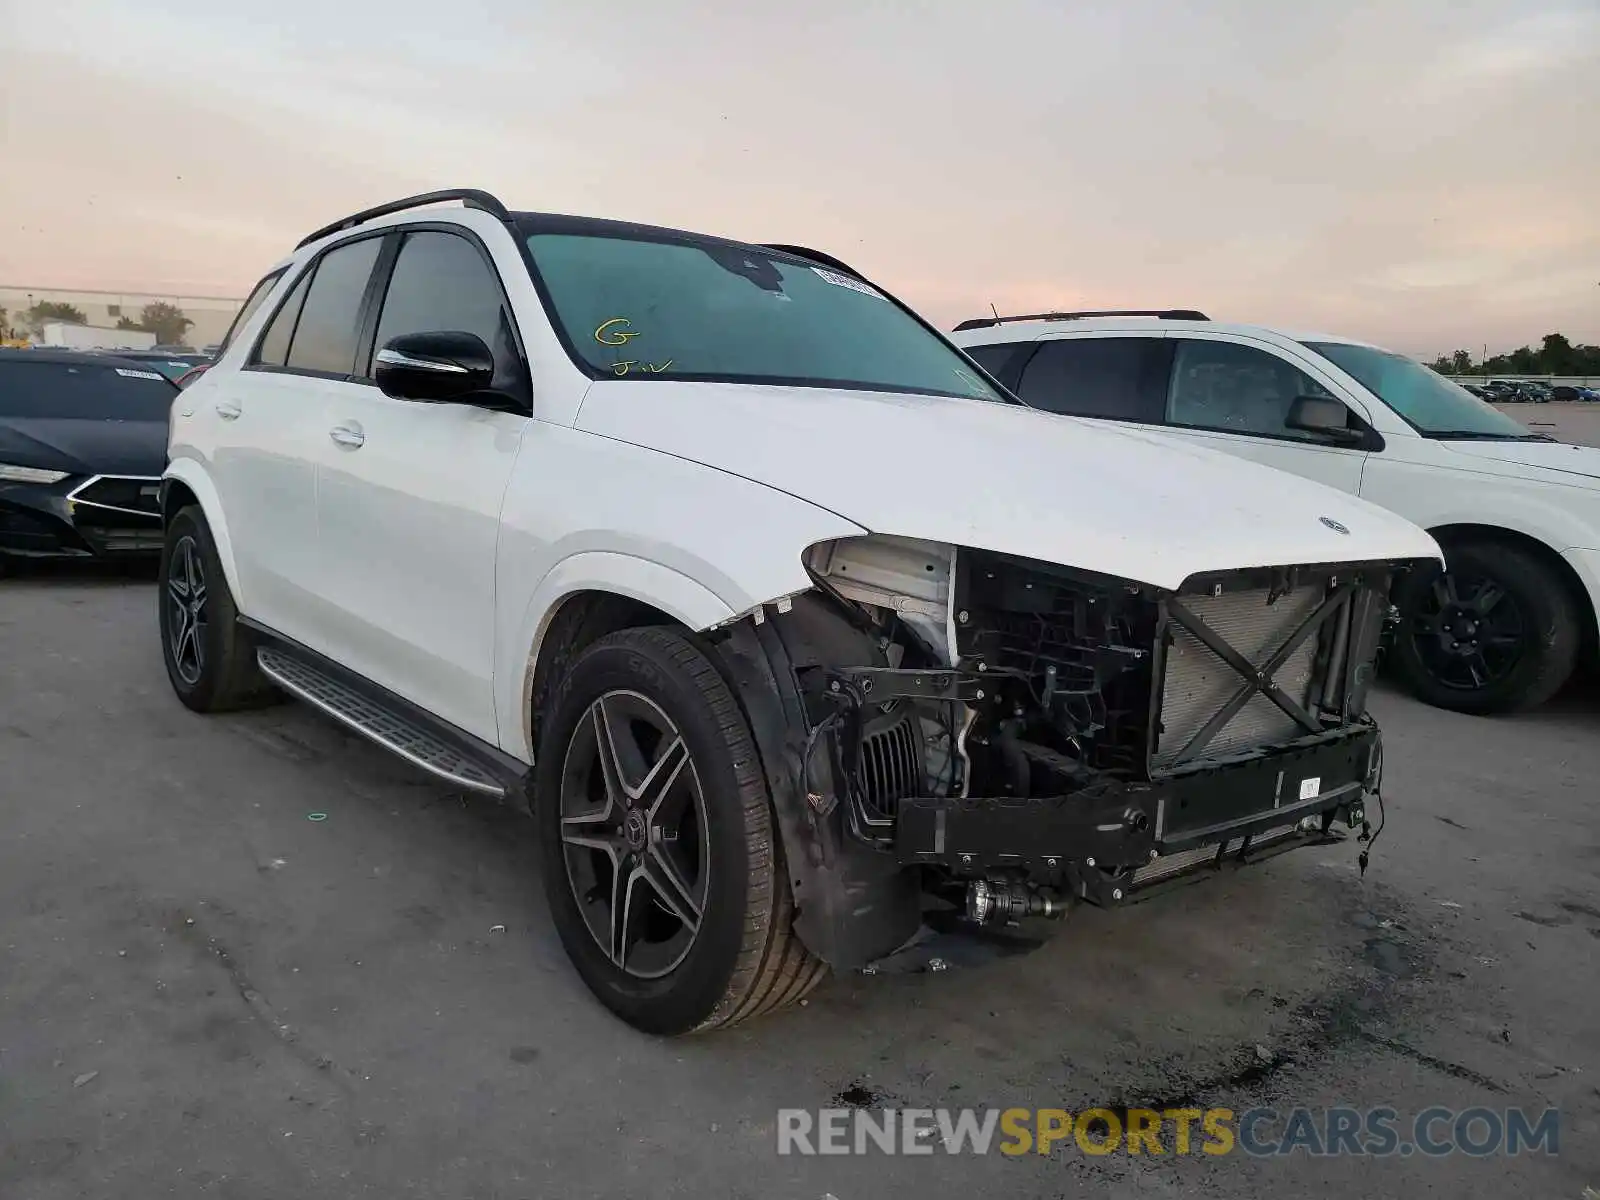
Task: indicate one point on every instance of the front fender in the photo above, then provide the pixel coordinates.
(194, 477)
(675, 594)
(1557, 515)
(587, 513)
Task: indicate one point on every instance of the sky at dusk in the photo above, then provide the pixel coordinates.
(1422, 173)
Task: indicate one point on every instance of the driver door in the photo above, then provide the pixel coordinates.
(409, 493)
(1234, 397)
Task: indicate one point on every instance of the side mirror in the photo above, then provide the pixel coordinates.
(1326, 418)
(433, 366)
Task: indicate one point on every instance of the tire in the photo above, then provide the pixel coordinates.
(1534, 607)
(707, 836)
(214, 670)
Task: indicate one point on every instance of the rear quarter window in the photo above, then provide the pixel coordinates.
(84, 391)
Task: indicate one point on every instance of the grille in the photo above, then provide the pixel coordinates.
(123, 494)
(889, 769)
(1198, 683)
(891, 766)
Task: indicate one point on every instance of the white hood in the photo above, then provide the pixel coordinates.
(1582, 461)
(1005, 478)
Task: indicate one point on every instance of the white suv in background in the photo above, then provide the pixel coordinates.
(1517, 512)
(781, 616)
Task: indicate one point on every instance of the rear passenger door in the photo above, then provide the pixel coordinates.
(269, 421)
(1109, 376)
(410, 492)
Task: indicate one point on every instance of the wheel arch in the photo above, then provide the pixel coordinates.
(585, 597)
(186, 483)
(1467, 531)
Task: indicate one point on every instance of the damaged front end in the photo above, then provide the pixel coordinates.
(1013, 735)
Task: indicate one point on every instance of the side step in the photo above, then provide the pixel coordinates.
(399, 734)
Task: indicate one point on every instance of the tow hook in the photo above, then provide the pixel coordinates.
(995, 901)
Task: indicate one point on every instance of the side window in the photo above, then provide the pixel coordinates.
(1095, 377)
(253, 301)
(325, 335)
(999, 358)
(273, 349)
(441, 283)
(1236, 389)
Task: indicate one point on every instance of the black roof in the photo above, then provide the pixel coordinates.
(49, 354)
(535, 222)
(531, 222)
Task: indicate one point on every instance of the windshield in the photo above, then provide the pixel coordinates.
(81, 391)
(1429, 402)
(637, 308)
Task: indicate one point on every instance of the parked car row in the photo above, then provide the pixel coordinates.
(1504, 391)
(788, 616)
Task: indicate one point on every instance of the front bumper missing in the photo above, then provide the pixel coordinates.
(1110, 840)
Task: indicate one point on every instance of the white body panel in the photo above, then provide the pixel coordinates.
(420, 623)
(432, 557)
(1004, 478)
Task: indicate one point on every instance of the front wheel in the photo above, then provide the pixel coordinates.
(1497, 631)
(662, 864)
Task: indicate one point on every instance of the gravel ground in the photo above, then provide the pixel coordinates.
(205, 993)
(1568, 421)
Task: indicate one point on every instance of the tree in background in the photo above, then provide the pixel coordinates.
(5, 329)
(52, 310)
(126, 323)
(164, 320)
(1556, 355)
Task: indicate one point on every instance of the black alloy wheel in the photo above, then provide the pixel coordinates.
(663, 865)
(1469, 631)
(1498, 631)
(634, 834)
(210, 657)
(186, 611)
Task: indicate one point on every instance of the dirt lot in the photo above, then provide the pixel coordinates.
(203, 992)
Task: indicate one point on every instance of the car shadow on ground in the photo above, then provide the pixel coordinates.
(79, 572)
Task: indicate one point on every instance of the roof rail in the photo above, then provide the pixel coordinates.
(1165, 314)
(816, 256)
(471, 197)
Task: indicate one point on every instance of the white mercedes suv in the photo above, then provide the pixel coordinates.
(785, 622)
(1517, 512)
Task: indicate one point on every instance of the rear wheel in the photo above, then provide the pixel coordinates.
(661, 859)
(1496, 632)
(210, 657)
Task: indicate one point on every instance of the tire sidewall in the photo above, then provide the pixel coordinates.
(1534, 591)
(685, 998)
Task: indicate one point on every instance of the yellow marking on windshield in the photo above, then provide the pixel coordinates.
(622, 368)
(617, 337)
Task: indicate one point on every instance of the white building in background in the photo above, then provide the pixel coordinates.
(93, 337)
(211, 314)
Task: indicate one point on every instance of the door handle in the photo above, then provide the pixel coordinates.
(344, 435)
(228, 410)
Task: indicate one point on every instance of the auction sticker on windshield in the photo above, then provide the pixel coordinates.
(855, 285)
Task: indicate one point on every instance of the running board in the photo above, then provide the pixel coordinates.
(393, 731)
